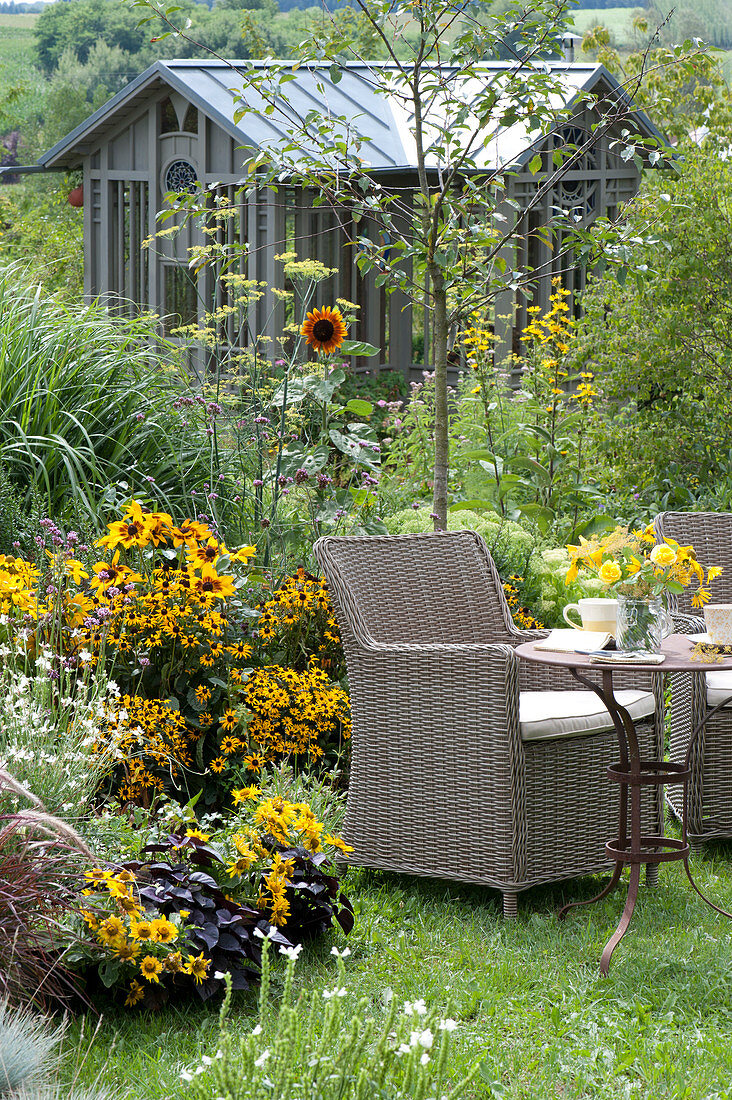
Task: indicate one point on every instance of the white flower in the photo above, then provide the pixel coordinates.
(257, 1030)
(85, 655)
(186, 1076)
(329, 993)
(422, 1039)
(418, 1008)
(340, 954)
(447, 1025)
(262, 1059)
(206, 1060)
(260, 934)
(291, 952)
(425, 1058)
(404, 1049)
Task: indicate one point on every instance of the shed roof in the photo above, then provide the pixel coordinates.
(381, 120)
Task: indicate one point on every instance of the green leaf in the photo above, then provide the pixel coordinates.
(322, 389)
(542, 516)
(359, 407)
(358, 347)
(535, 164)
(538, 472)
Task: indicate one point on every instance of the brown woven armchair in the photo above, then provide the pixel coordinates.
(710, 783)
(467, 763)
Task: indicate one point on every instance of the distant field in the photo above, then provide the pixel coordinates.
(16, 49)
(18, 22)
(619, 21)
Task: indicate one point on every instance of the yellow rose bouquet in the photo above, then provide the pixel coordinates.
(634, 564)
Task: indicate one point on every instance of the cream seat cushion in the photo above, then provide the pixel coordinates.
(547, 715)
(719, 688)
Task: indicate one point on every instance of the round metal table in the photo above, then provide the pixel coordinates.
(631, 846)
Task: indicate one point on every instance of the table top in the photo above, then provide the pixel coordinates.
(677, 649)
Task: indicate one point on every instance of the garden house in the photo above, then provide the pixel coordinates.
(175, 126)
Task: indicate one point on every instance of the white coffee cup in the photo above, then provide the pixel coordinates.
(718, 619)
(595, 613)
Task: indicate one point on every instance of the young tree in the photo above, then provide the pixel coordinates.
(472, 125)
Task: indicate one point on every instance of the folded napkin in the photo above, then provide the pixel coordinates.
(619, 658)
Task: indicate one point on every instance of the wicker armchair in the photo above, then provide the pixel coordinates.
(458, 769)
(710, 783)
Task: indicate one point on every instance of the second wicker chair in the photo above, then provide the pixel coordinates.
(710, 783)
(468, 763)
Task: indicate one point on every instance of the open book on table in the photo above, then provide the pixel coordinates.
(574, 641)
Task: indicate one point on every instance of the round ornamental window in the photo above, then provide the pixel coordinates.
(180, 176)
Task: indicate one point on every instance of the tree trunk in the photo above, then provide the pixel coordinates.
(439, 363)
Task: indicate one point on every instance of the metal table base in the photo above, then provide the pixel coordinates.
(631, 846)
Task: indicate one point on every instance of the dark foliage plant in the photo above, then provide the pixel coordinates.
(315, 895)
(221, 921)
(223, 930)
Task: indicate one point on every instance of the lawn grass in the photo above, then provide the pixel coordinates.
(528, 995)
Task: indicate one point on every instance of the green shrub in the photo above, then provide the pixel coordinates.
(554, 593)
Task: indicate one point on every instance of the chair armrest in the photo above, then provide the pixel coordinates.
(466, 690)
(688, 624)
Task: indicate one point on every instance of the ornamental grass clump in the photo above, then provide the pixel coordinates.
(86, 400)
(330, 1046)
(38, 859)
(30, 1063)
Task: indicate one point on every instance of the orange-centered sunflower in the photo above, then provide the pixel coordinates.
(324, 329)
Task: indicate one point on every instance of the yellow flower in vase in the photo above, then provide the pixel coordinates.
(663, 555)
(610, 572)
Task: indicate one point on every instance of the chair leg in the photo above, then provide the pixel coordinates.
(696, 845)
(510, 906)
(651, 876)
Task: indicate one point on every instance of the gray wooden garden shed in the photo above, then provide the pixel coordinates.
(174, 125)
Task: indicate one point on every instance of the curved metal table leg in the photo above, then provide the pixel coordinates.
(632, 767)
(598, 897)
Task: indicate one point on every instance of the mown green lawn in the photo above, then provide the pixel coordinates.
(528, 996)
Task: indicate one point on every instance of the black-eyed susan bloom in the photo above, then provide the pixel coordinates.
(324, 329)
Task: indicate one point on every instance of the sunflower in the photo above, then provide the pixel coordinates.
(141, 930)
(324, 329)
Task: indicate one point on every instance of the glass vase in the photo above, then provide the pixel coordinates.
(642, 625)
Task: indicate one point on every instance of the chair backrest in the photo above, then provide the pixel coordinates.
(439, 588)
(710, 533)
